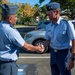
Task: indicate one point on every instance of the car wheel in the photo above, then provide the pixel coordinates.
(37, 42)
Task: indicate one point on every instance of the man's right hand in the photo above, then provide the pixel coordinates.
(41, 48)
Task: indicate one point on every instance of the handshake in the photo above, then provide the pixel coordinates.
(40, 48)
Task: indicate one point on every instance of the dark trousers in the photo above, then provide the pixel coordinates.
(59, 61)
(8, 68)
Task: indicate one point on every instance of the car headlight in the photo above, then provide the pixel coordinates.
(28, 36)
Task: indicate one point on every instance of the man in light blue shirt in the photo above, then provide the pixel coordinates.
(58, 35)
(10, 40)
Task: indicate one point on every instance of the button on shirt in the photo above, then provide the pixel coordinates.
(10, 40)
(60, 34)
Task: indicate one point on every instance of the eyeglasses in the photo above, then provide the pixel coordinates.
(49, 12)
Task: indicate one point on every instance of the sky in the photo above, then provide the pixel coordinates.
(31, 2)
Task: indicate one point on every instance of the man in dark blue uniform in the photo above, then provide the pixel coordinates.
(10, 40)
(58, 35)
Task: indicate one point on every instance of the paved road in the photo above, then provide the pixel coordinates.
(38, 64)
(40, 60)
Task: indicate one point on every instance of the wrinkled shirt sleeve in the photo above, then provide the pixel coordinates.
(16, 38)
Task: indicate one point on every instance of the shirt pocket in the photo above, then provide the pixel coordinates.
(61, 34)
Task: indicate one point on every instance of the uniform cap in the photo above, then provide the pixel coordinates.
(9, 9)
(52, 6)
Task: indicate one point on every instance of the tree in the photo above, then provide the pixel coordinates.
(37, 13)
(4, 2)
(27, 12)
(40, 1)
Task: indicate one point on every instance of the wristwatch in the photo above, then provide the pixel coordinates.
(72, 58)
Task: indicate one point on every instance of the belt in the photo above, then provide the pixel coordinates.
(55, 50)
(10, 61)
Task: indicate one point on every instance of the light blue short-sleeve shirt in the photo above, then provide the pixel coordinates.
(10, 40)
(60, 34)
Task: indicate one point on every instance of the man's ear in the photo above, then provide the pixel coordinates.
(56, 12)
(9, 19)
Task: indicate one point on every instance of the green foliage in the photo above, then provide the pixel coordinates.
(40, 1)
(0, 1)
(66, 4)
(26, 20)
(26, 13)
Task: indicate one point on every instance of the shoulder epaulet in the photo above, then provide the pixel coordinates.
(64, 19)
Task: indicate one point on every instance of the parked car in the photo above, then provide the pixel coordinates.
(37, 37)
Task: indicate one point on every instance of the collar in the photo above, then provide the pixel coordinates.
(58, 22)
(7, 24)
